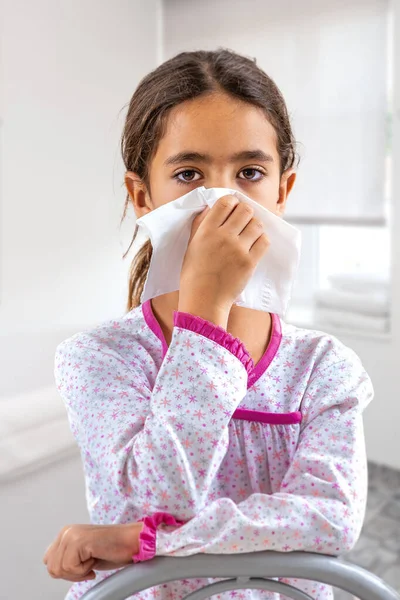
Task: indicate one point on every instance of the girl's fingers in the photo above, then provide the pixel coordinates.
(69, 568)
(90, 574)
(197, 221)
(64, 560)
(259, 247)
(47, 553)
(200, 216)
(239, 219)
(52, 558)
(222, 209)
(76, 578)
(52, 548)
(75, 562)
(250, 234)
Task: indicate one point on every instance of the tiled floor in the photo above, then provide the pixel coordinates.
(378, 549)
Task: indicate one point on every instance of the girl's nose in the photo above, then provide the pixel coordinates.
(220, 181)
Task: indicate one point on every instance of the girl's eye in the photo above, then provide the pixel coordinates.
(188, 176)
(249, 173)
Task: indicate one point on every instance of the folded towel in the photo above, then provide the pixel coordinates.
(348, 320)
(373, 303)
(360, 283)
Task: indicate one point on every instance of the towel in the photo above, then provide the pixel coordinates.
(350, 320)
(360, 283)
(371, 303)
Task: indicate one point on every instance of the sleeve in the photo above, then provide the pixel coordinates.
(157, 448)
(320, 506)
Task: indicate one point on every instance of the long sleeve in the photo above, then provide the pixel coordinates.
(321, 504)
(158, 448)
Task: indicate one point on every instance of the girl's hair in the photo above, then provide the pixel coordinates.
(186, 76)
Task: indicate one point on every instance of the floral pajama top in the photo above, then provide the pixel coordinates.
(236, 457)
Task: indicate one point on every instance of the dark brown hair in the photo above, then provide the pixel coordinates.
(190, 75)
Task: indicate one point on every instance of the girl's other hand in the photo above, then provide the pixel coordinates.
(79, 549)
(225, 246)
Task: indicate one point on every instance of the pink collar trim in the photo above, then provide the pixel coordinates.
(154, 325)
(261, 366)
(270, 352)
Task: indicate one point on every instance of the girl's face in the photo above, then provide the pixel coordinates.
(215, 141)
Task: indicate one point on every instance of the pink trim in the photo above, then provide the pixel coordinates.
(215, 333)
(147, 537)
(267, 417)
(270, 352)
(154, 325)
(256, 372)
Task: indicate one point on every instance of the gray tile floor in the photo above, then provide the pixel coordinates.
(378, 549)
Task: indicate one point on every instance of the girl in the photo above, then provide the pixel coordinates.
(205, 426)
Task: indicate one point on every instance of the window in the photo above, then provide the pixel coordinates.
(364, 250)
(350, 244)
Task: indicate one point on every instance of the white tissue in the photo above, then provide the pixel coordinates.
(169, 226)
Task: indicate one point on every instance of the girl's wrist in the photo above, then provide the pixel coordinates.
(132, 540)
(209, 313)
(206, 305)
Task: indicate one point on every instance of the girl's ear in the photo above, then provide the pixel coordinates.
(138, 194)
(287, 181)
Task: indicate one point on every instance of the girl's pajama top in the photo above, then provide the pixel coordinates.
(215, 454)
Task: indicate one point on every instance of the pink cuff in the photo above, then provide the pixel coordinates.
(215, 333)
(147, 537)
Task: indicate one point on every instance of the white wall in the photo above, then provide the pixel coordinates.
(68, 70)
(188, 26)
(33, 510)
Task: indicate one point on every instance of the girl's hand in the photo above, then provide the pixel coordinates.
(79, 549)
(225, 246)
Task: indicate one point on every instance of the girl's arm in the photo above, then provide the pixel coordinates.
(321, 504)
(158, 449)
(164, 463)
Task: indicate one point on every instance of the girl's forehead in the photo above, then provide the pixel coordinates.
(217, 122)
(218, 108)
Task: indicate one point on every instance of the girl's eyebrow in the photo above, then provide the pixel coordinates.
(258, 155)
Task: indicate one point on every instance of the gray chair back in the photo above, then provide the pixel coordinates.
(254, 570)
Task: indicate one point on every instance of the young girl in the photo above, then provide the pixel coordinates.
(205, 426)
